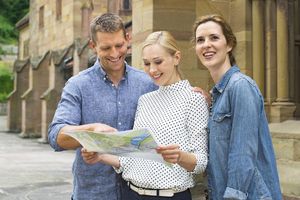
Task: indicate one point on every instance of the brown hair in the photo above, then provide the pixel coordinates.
(166, 40)
(227, 31)
(107, 23)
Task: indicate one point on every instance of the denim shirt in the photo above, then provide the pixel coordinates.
(90, 97)
(242, 163)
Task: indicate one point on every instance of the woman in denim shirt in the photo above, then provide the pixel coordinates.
(242, 163)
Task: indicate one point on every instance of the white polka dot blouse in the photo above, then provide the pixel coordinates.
(174, 114)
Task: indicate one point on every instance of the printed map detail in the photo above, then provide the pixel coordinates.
(132, 143)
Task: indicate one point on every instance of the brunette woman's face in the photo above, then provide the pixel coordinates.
(211, 46)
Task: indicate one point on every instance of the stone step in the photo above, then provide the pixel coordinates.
(286, 142)
(289, 175)
(286, 139)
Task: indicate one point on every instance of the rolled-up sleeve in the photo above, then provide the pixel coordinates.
(231, 193)
(68, 112)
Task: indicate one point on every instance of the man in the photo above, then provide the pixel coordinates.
(99, 98)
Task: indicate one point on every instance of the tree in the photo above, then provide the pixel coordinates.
(11, 12)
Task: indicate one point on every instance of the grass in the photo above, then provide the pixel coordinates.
(5, 67)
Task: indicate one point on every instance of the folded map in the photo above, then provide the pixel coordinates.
(132, 143)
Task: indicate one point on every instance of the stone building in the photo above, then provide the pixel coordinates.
(53, 45)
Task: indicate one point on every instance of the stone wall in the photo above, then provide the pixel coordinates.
(3, 108)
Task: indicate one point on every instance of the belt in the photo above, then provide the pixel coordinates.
(151, 192)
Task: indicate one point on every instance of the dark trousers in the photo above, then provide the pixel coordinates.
(129, 194)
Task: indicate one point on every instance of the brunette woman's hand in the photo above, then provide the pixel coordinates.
(204, 93)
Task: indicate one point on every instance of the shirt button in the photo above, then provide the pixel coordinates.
(120, 123)
(113, 85)
(119, 103)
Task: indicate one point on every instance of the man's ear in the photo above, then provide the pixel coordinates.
(127, 37)
(92, 45)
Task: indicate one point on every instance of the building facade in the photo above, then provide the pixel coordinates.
(53, 45)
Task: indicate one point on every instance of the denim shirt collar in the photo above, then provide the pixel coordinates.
(221, 85)
(103, 74)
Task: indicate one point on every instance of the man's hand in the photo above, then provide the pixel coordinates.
(67, 142)
(94, 157)
(204, 93)
(98, 127)
(90, 157)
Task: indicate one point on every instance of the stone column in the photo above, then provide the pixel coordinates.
(283, 108)
(177, 17)
(46, 108)
(282, 51)
(241, 26)
(270, 55)
(258, 44)
(31, 103)
(86, 11)
(21, 68)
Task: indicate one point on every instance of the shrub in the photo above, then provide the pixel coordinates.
(6, 81)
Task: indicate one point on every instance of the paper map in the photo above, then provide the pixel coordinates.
(132, 143)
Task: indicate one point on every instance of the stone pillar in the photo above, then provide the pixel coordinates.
(283, 108)
(242, 28)
(270, 55)
(282, 51)
(47, 110)
(177, 17)
(86, 12)
(21, 68)
(31, 103)
(81, 56)
(296, 45)
(258, 44)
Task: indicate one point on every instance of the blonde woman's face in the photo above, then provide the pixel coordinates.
(160, 65)
(211, 46)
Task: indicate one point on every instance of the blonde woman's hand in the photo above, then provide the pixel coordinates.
(170, 153)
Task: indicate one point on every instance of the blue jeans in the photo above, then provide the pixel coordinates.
(128, 194)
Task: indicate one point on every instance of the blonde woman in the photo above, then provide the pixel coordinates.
(177, 117)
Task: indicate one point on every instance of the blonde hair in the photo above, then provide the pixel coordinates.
(165, 40)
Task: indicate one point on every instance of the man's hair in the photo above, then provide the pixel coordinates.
(106, 23)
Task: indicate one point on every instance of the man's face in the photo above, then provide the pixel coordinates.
(111, 49)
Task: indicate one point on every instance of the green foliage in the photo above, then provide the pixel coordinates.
(6, 81)
(7, 32)
(14, 10)
(11, 11)
(2, 52)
